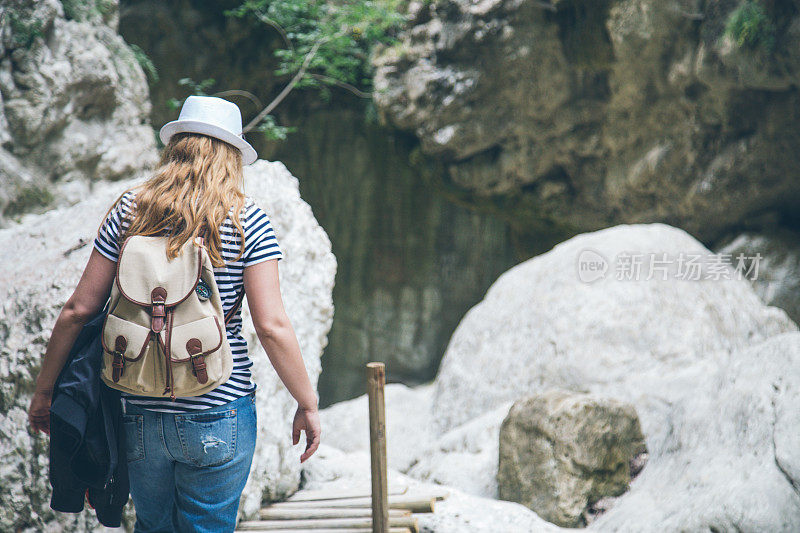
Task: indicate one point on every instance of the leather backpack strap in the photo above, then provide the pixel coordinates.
(239, 298)
(236, 304)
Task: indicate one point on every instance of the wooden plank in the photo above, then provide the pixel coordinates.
(376, 379)
(330, 523)
(328, 494)
(329, 530)
(415, 504)
(269, 513)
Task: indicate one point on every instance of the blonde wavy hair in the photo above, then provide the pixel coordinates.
(197, 182)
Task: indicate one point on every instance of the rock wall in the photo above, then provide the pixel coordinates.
(195, 39)
(43, 260)
(774, 263)
(412, 263)
(570, 116)
(406, 277)
(74, 103)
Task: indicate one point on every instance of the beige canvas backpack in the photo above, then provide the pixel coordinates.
(164, 334)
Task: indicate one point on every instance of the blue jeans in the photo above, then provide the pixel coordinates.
(187, 471)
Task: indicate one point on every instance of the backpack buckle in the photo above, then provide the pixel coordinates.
(195, 349)
(158, 313)
(118, 363)
(199, 368)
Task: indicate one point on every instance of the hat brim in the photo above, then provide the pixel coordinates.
(249, 154)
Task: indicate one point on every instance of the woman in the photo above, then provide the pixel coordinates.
(198, 185)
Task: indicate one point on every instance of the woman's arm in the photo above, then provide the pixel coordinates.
(88, 299)
(280, 342)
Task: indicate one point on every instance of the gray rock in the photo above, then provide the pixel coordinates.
(43, 258)
(74, 104)
(729, 458)
(711, 370)
(560, 453)
(346, 423)
(464, 457)
(703, 361)
(588, 116)
(307, 276)
(773, 261)
(542, 325)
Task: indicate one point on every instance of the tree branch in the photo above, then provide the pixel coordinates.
(286, 90)
(269, 22)
(238, 92)
(344, 85)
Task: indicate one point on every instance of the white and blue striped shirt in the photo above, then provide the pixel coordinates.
(260, 245)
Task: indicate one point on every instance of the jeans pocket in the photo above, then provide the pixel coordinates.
(208, 439)
(134, 436)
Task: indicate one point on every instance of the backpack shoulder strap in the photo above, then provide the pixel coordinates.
(235, 307)
(229, 315)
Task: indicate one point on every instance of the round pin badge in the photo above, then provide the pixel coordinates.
(203, 290)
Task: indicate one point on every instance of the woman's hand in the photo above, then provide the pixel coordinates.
(306, 420)
(39, 412)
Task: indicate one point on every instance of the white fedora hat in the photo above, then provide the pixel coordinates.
(212, 116)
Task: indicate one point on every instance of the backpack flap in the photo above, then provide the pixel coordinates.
(194, 341)
(143, 267)
(124, 341)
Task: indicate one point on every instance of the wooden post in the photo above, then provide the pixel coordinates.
(376, 379)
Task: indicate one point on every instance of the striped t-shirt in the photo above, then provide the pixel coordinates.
(260, 245)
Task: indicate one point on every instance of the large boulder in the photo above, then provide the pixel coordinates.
(561, 453)
(586, 115)
(682, 346)
(464, 457)
(346, 424)
(307, 279)
(74, 103)
(729, 458)
(541, 325)
(710, 369)
(43, 258)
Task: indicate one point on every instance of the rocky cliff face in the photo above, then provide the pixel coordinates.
(406, 277)
(575, 116)
(774, 263)
(43, 260)
(73, 103)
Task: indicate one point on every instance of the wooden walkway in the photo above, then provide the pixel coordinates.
(374, 509)
(325, 511)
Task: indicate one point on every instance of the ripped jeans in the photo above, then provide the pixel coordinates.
(187, 470)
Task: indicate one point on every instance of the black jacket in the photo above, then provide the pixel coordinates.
(87, 443)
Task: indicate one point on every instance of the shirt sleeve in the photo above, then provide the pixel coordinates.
(260, 242)
(107, 240)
